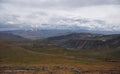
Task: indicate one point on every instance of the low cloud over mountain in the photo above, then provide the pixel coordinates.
(60, 14)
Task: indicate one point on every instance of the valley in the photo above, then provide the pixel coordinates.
(41, 57)
(59, 36)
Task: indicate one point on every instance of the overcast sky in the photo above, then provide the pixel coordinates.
(26, 13)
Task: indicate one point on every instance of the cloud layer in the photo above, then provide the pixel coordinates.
(47, 13)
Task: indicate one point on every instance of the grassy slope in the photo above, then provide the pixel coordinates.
(50, 55)
(50, 49)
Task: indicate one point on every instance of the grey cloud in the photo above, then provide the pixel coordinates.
(3, 1)
(30, 12)
(79, 3)
(37, 14)
(58, 3)
(6, 18)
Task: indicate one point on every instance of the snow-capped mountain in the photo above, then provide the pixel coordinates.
(67, 25)
(77, 23)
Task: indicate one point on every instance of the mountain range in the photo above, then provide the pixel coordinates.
(66, 39)
(85, 41)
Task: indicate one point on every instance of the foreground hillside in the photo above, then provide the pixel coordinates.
(34, 57)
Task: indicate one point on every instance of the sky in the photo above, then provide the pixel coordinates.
(85, 14)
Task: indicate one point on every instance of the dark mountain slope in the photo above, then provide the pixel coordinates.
(85, 41)
(11, 37)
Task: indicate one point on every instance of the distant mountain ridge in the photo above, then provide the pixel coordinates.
(38, 33)
(67, 39)
(11, 37)
(85, 41)
(44, 33)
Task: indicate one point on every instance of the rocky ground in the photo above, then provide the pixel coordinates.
(52, 70)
